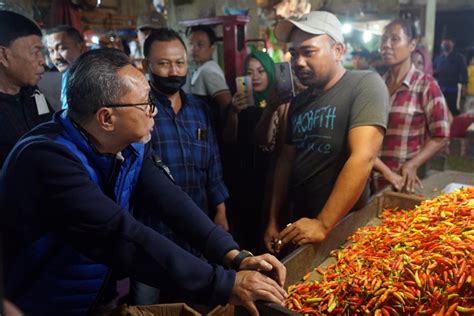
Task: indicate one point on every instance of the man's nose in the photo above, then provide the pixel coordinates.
(298, 61)
(173, 71)
(42, 60)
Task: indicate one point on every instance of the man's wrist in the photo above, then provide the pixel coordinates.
(229, 257)
(237, 260)
(324, 224)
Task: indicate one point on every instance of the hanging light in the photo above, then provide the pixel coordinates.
(346, 28)
(95, 39)
(367, 36)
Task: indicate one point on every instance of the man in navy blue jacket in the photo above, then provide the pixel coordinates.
(66, 192)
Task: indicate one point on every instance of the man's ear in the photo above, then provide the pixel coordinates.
(106, 119)
(339, 49)
(83, 48)
(4, 58)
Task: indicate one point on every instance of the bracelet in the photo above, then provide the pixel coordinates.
(235, 263)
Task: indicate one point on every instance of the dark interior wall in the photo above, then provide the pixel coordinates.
(459, 24)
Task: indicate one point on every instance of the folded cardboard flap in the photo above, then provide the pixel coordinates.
(177, 309)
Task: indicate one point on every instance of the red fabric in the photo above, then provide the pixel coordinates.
(64, 12)
(460, 124)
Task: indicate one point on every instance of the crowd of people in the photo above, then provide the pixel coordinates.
(168, 178)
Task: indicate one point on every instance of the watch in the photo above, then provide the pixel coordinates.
(235, 263)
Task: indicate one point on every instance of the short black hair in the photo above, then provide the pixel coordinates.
(407, 25)
(448, 37)
(206, 29)
(93, 82)
(14, 26)
(163, 34)
(71, 32)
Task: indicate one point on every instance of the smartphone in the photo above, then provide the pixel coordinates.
(244, 85)
(284, 79)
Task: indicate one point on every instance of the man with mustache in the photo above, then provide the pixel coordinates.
(65, 44)
(22, 105)
(183, 137)
(335, 130)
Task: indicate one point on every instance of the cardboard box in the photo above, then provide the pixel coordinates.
(178, 309)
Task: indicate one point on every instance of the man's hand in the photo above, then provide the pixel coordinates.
(304, 231)
(251, 286)
(268, 265)
(395, 179)
(271, 234)
(410, 179)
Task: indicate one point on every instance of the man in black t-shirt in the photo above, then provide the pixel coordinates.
(22, 105)
(335, 130)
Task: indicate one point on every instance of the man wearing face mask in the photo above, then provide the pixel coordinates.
(183, 137)
(450, 70)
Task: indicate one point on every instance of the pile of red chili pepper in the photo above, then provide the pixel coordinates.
(417, 262)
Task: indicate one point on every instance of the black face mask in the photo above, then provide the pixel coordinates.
(445, 47)
(167, 85)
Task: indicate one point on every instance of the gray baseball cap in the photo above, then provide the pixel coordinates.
(314, 22)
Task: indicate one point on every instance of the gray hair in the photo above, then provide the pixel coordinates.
(94, 82)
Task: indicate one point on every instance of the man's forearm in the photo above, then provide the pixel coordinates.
(347, 190)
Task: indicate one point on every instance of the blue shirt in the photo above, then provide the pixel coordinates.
(450, 70)
(64, 90)
(187, 144)
(64, 198)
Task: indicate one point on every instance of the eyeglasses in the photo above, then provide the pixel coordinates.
(151, 106)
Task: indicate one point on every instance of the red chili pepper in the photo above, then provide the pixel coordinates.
(451, 289)
(451, 309)
(413, 271)
(461, 281)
